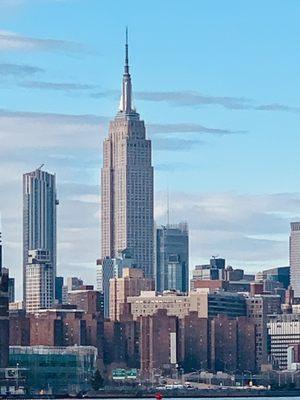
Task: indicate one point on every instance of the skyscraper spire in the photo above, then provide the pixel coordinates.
(127, 184)
(126, 69)
(126, 106)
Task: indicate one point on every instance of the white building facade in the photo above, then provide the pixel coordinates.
(39, 281)
(284, 332)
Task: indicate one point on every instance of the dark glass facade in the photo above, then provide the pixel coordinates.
(172, 258)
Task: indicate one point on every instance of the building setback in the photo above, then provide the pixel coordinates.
(127, 185)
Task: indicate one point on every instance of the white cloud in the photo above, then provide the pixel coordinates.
(42, 130)
(247, 229)
(14, 41)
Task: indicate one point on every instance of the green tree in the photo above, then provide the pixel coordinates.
(97, 381)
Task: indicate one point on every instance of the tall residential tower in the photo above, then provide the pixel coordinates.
(295, 257)
(127, 184)
(4, 316)
(39, 218)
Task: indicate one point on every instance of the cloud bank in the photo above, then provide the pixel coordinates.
(10, 41)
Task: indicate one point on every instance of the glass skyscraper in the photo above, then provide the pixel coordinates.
(172, 258)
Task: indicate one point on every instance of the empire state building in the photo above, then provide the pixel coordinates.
(127, 184)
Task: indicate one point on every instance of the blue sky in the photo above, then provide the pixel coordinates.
(217, 83)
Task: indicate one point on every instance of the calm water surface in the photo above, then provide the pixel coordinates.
(204, 398)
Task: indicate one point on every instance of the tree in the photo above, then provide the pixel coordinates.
(97, 380)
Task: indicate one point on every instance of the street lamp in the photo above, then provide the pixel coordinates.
(17, 380)
(250, 376)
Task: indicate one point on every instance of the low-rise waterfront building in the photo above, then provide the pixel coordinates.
(56, 370)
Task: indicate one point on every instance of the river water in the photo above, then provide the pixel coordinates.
(197, 398)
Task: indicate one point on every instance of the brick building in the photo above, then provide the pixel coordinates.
(193, 342)
(232, 344)
(19, 328)
(158, 343)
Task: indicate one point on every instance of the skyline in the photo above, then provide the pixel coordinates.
(190, 108)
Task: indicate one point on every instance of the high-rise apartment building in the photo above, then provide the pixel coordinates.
(259, 310)
(193, 342)
(232, 344)
(132, 283)
(39, 217)
(127, 185)
(158, 344)
(39, 281)
(4, 316)
(108, 268)
(295, 257)
(172, 258)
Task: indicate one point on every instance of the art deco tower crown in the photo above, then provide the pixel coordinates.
(127, 184)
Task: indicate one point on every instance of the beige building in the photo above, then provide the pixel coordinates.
(39, 281)
(259, 309)
(127, 185)
(132, 283)
(176, 304)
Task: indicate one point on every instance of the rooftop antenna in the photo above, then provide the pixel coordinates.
(126, 52)
(168, 207)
